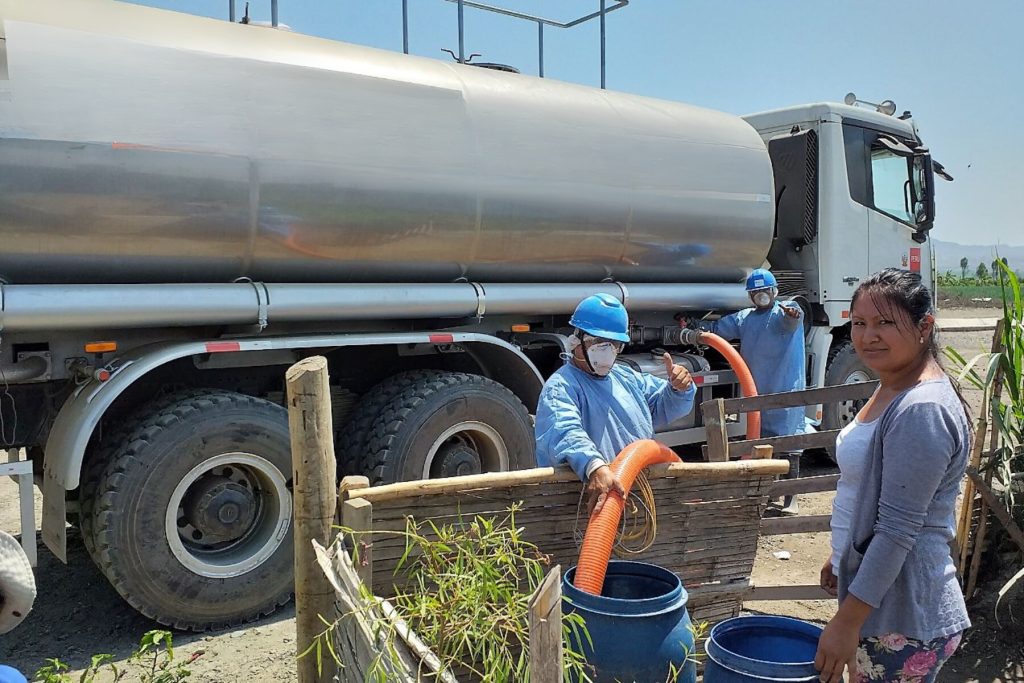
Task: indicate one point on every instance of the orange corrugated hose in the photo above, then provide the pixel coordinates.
(604, 525)
(742, 373)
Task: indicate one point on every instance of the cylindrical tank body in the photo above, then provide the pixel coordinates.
(139, 145)
(639, 626)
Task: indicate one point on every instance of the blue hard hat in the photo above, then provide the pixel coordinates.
(602, 315)
(761, 279)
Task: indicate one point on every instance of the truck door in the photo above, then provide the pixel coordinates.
(895, 188)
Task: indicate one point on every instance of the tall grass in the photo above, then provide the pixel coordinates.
(1005, 462)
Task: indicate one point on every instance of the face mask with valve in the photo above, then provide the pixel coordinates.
(763, 298)
(599, 354)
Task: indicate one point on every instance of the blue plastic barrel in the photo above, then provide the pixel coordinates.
(754, 649)
(638, 625)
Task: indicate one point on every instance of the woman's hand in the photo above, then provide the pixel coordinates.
(837, 649)
(828, 578)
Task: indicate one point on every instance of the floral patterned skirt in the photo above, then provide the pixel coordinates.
(894, 658)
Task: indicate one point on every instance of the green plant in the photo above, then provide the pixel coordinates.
(152, 662)
(982, 371)
(1006, 367)
(469, 586)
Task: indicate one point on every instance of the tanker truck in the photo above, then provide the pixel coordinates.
(189, 206)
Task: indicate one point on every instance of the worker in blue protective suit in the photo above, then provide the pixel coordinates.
(592, 407)
(772, 345)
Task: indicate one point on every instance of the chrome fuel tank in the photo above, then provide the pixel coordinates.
(139, 145)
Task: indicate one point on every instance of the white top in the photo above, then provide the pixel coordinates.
(852, 448)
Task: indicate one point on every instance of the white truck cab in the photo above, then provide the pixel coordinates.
(854, 191)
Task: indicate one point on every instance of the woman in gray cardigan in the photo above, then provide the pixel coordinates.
(901, 611)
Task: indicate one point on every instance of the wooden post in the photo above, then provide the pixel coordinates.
(545, 611)
(715, 425)
(316, 502)
(763, 452)
(994, 399)
(967, 508)
(357, 514)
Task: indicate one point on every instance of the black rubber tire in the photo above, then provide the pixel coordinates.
(406, 429)
(99, 457)
(158, 449)
(843, 363)
(352, 440)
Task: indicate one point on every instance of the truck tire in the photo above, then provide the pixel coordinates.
(844, 367)
(193, 521)
(353, 438)
(447, 425)
(97, 459)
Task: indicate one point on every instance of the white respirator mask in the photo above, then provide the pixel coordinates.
(763, 298)
(600, 354)
(602, 357)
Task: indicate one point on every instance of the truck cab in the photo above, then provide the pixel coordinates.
(854, 192)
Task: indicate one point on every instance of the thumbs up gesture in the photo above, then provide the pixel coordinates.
(678, 376)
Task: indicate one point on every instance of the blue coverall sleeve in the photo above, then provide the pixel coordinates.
(727, 327)
(561, 437)
(666, 404)
(790, 324)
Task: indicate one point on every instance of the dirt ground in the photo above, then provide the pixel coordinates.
(78, 613)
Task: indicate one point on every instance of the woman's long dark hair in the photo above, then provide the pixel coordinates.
(893, 288)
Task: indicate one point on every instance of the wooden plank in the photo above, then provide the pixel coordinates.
(806, 397)
(357, 515)
(789, 487)
(716, 428)
(545, 475)
(545, 612)
(778, 526)
(798, 442)
(316, 504)
(807, 591)
(763, 452)
(997, 508)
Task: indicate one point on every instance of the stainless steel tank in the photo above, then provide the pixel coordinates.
(139, 145)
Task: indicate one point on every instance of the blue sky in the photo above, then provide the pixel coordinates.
(958, 66)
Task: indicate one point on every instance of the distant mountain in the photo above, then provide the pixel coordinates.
(948, 255)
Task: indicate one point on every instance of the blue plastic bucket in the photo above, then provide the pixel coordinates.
(638, 625)
(761, 648)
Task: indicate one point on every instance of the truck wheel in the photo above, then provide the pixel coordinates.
(99, 457)
(353, 438)
(193, 521)
(448, 425)
(844, 367)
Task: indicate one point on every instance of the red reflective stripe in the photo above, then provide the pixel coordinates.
(220, 347)
(698, 380)
(441, 338)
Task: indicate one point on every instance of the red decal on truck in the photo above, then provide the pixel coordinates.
(915, 259)
(441, 339)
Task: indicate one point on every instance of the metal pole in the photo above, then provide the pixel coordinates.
(540, 48)
(405, 26)
(462, 43)
(231, 11)
(273, 12)
(603, 12)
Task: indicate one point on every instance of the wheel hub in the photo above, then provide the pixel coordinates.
(455, 460)
(219, 509)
